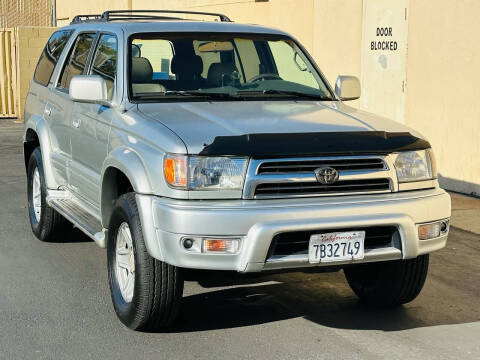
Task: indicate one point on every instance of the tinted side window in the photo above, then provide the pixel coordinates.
(75, 64)
(50, 55)
(105, 61)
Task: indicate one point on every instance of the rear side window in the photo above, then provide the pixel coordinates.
(50, 55)
(105, 61)
(75, 64)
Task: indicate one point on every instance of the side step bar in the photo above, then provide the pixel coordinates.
(80, 218)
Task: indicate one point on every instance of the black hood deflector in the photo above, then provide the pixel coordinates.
(314, 144)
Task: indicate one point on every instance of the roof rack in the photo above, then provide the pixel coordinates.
(85, 18)
(117, 15)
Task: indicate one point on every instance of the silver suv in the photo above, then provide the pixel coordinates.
(213, 145)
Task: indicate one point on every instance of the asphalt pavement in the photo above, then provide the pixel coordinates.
(55, 302)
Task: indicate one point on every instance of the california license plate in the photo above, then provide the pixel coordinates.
(337, 246)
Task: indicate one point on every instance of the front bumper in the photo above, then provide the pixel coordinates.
(166, 221)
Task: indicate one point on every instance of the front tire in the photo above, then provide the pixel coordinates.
(390, 283)
(47, 224)
(146, 293)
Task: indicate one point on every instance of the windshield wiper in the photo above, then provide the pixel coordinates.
(284, 92)
(187, 93)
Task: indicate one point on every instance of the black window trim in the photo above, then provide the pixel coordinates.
(70, 31)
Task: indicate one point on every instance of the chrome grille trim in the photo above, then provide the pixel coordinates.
(265, 171)
(356, 164)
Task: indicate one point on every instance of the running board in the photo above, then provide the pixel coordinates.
(81, 218)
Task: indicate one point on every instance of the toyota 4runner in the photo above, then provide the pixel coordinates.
(213, 145)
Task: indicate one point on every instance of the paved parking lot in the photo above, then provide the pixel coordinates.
(55, 303)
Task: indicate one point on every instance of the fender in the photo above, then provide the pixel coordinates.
(37, 124)
(129, 163)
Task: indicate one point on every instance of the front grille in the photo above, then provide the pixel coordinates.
(295, 177)
(352, 164)
(296, 242)
(309, 188)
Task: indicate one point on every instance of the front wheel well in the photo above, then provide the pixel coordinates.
(114, 184)
(31, 142)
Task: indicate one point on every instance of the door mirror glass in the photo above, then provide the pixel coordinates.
(347, 87)
(88, 88)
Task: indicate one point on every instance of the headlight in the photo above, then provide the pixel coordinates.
(415, 166)
(205, 173)
(213, 173)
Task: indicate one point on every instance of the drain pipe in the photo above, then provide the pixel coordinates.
(54, 13)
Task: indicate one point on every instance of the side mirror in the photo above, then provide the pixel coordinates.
(347, 87)
(88, 88)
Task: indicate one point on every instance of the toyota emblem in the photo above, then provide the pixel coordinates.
(326, 175)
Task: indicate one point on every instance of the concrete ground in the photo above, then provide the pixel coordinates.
(55, 302)
(466, 212)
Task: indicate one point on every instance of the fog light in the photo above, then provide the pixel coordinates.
(188, 243)
(229, 246)
(192, 244)
(444, 226)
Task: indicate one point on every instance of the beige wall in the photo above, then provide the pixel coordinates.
(30, 43)
(337, 37)
(443, 86)
(67, 9)
(25, 12)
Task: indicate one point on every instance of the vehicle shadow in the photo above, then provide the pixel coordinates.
(74, 235)
(323, 298)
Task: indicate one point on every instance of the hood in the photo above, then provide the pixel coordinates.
(199, 123)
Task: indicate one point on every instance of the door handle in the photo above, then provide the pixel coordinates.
(48, 110)
(76, 123)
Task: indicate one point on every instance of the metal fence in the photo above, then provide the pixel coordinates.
(14, 13)
(8, 93)
(25, 13)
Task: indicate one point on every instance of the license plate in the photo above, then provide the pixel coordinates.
(337, 246)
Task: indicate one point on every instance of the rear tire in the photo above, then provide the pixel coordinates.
(47, 224)
(389, 283)
(155, 299)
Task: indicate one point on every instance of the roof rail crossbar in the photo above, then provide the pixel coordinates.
(85, 18)
(107, 15)
(118, 17)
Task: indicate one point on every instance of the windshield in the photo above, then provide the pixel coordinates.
(221, 66)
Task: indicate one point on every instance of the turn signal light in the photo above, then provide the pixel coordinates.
(221, 245)
(432, 230)
(175, 170)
